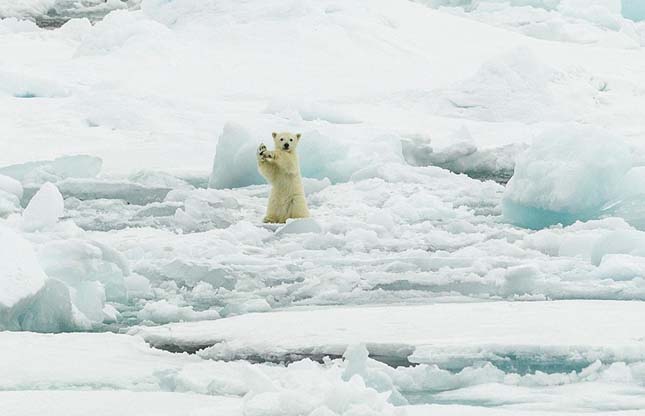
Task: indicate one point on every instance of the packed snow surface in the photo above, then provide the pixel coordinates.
(449, 334)
(340, 386)
(474, 170)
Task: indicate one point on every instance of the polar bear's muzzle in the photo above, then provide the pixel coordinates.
(286, 146)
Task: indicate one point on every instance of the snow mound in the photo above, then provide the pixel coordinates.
(121, 29)
(44, 209)
(569, 173)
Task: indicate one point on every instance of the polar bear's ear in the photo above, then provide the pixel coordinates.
(274, 134)
(298, 136)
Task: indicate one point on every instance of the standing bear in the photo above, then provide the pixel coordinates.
(281, 169)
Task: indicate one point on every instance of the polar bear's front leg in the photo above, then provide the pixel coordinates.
(265, 155)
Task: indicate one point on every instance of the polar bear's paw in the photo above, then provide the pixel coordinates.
(263, 153)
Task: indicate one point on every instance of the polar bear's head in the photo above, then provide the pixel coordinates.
(286, 141)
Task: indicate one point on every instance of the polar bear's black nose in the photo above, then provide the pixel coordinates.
(286, 145)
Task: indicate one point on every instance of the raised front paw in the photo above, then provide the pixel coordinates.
(264, 154)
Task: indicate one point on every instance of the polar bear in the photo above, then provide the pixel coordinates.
(281, 169)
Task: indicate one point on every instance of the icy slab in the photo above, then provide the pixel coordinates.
(450, 335)
(36, 173)
(11, 186)
(163, 312)
(10, 195)
(93, 270)
(568, 174)
(633, 9)
(130, 192)
(21, 277)
(115, 403)
(44, 209)
(300, 226)
(30, 301)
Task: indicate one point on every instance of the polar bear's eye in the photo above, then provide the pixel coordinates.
(282, 139)
(290, 140)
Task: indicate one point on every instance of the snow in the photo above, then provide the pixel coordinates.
(129, 187)
(114, 402)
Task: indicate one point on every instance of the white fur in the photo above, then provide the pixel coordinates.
(281, 169)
